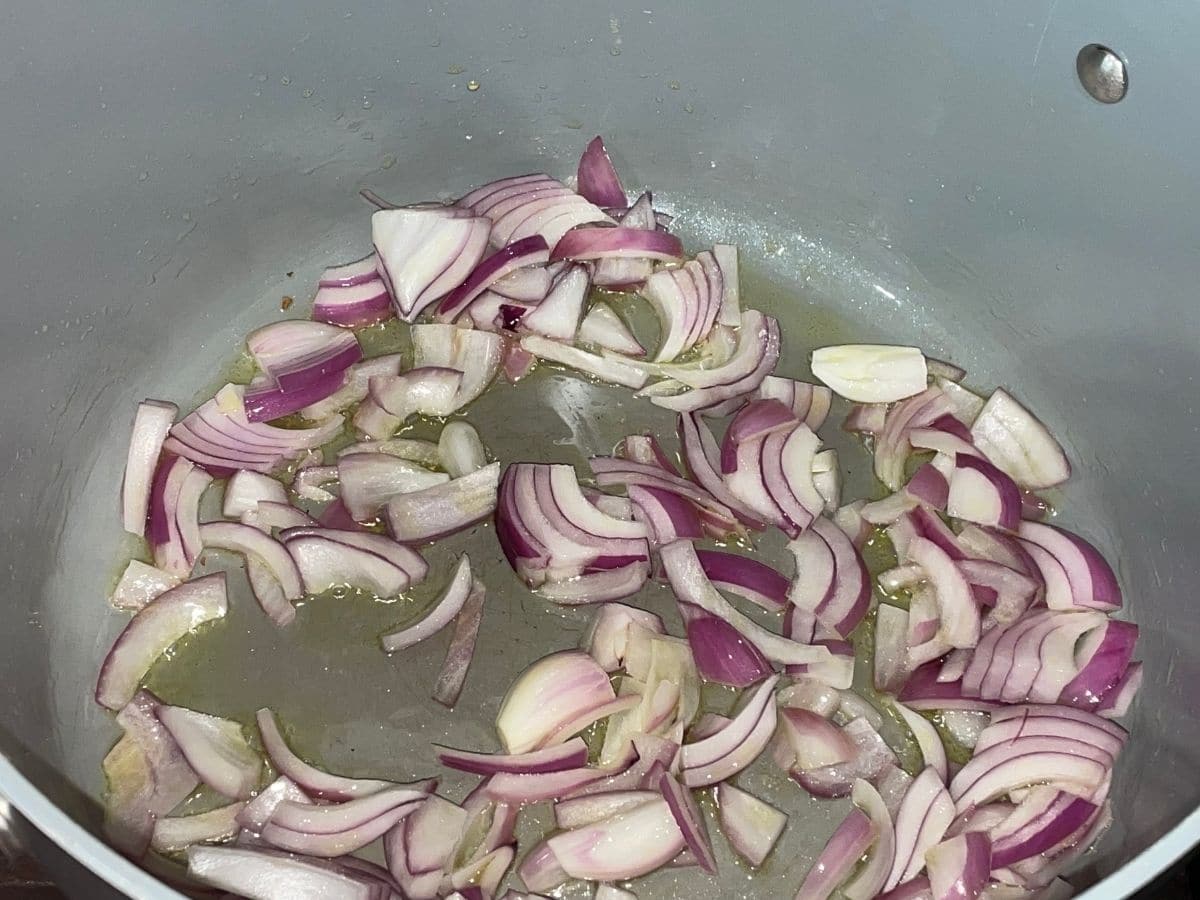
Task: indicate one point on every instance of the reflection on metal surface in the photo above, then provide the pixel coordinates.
(1102, 73)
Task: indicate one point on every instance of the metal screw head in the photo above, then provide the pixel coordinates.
(1102, 73)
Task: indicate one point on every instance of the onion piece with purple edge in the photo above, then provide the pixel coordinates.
(827, 479)
(215, 749)
(139, 584)
(591, 808)
(1102, 658)
(721, 653)
(444, 509)
(1116, 700)
(667, 516)
(335, 818)
(682, 301)
(870, 878)
(924, 815)
(443, 613)
(1054, 761)
(1041, 822)
(453, 674)
(249, 541)
(702, 456)
(153, 630)
(294, 353)
(353, 305)
(338, 843)
(162, 527)
(597, 587)
(787, 462)
(607, 636)
(737, 745)
(691, 585)
(432, 833)
(369, 480)
(958, 614)
(175, 833)
(617, 243)
(325, 561)
(810, 741)
(529, 251)
(933, 752)
(891, 647)
(356, 387)
(625, 846)
(604, 328)
(424, 254)
(871, 373)
(151, 424)
(690, 821)
(257, 812)
(1017, 441)
(645, 448)
(959, 867)
(540, 870)
(746, 577)
(615, 371)
(557, 317)
(809, 402)
(752, 826)
(873, 759)
(309, 483)
(259, 874)
(597, 178)
(839, 858)
(349, 274)
(310, 779)
(460, 450)
(550, 692)
(832, 580)
(526, 285)
(245, 490)
(982, 493)
(477, 354)
(892, 446)
(755, 358)
(1090, 580)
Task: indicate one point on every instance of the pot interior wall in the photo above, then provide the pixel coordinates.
(930, 175)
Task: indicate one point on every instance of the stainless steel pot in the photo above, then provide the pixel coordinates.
(931, 173)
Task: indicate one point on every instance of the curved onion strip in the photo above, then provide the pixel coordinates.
(443, 613)
(645, 448)
(175, 833)
(153, 630)
(667, 516)
(348, 274)
(812, 741)
(755, 358)
(933, 752)
(924, 815)
(151, 424)
(353, 306)
(839, 858)
(831, 580)
(959, 867)
(607, 330)
(215, 749)
(958, 615)
(809, 402)
(598, 587)
(721, 653)
(752, 826)
(339, 843)
(607, 636)
(437, 511)
(369, 480)
(870, 878)
(264, 874)
(162, 526)
(613, 370)
(530, 251)
(597, 178)
(1090, 580)
(690, 585)
(552, 691)
(592, 808)
(702, 457)
(625, 846)
(459, 654)
(251, 542)
(873, 759)
(980, 492)
(611, 471)
(140, 583)
(310, 779)
(688, 818)
(737, 745)
(746, 577)
(617, 243)
(557, 317)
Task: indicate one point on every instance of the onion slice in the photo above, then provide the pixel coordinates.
(216, 749)
(690, 821)
(153, 630)
(267, 875)
(597, 178)
(444, 509)
(459, 654)
(443, 613)
(151, 424)
(924, 815)
(734, 747)
(752, 826)
(551, 692)
(175, 833)
(625, 846)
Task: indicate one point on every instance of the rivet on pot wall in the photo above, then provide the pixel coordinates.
(1102, 73)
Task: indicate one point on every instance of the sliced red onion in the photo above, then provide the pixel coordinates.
(617, 243)
(933, 752)
(153, 630)
(528, 251)
(603, 368)
(460, 449)
(245, 490)
(827, 479)
(569, 755)
(832, 580)
(607, 330)
(1016, 441)
(752, 826)
(447, 508)
(689, 820)
(959, 620)
(453, 674)
(874, 872)
(839, 858)
(625, 846)
(327, 557)
(1058, 762)
(873, 759)
(309, 483)
(250, 542)
(598, 587)
(597, 179)
(267, 875)
(1087, 579)
(755, 358)
(923, 691)
(369, 480)
(424, 254)
(1117, 700)
(483, 198)
(140, 583)
(338, 843)
(982, 493)
(587, 810)
(813, 741)
(806, 692)
(175, 833)
(645, 448)
(1007, 591)
(552, 691)
(162, 531)
(1102, 659)
(865, 418)
(1038, 720)
(151, 424)
(730, 311)
(480, 880)
(746, 577)
(722, 655)
(355, 388)
(691, 585)
(257, 812)
(360, 271)
(667, 516)
(444, 612)
(959, 867)
(540, 870)
(606, 638)
(477, 354)
(1040, 823)
(353, 306)
(269, 515)
(294, 354)
(921, 822)
(215, 749)
(929, 486)
(702, 456)
(808, 402)
(526, 285)
(892, 445)
(686, 306)
(871, 373)
(530, 205)
(310, 779)
(730, 750)
(558, 316)
(891, 648)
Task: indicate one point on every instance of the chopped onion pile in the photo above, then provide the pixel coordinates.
(992, 634)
